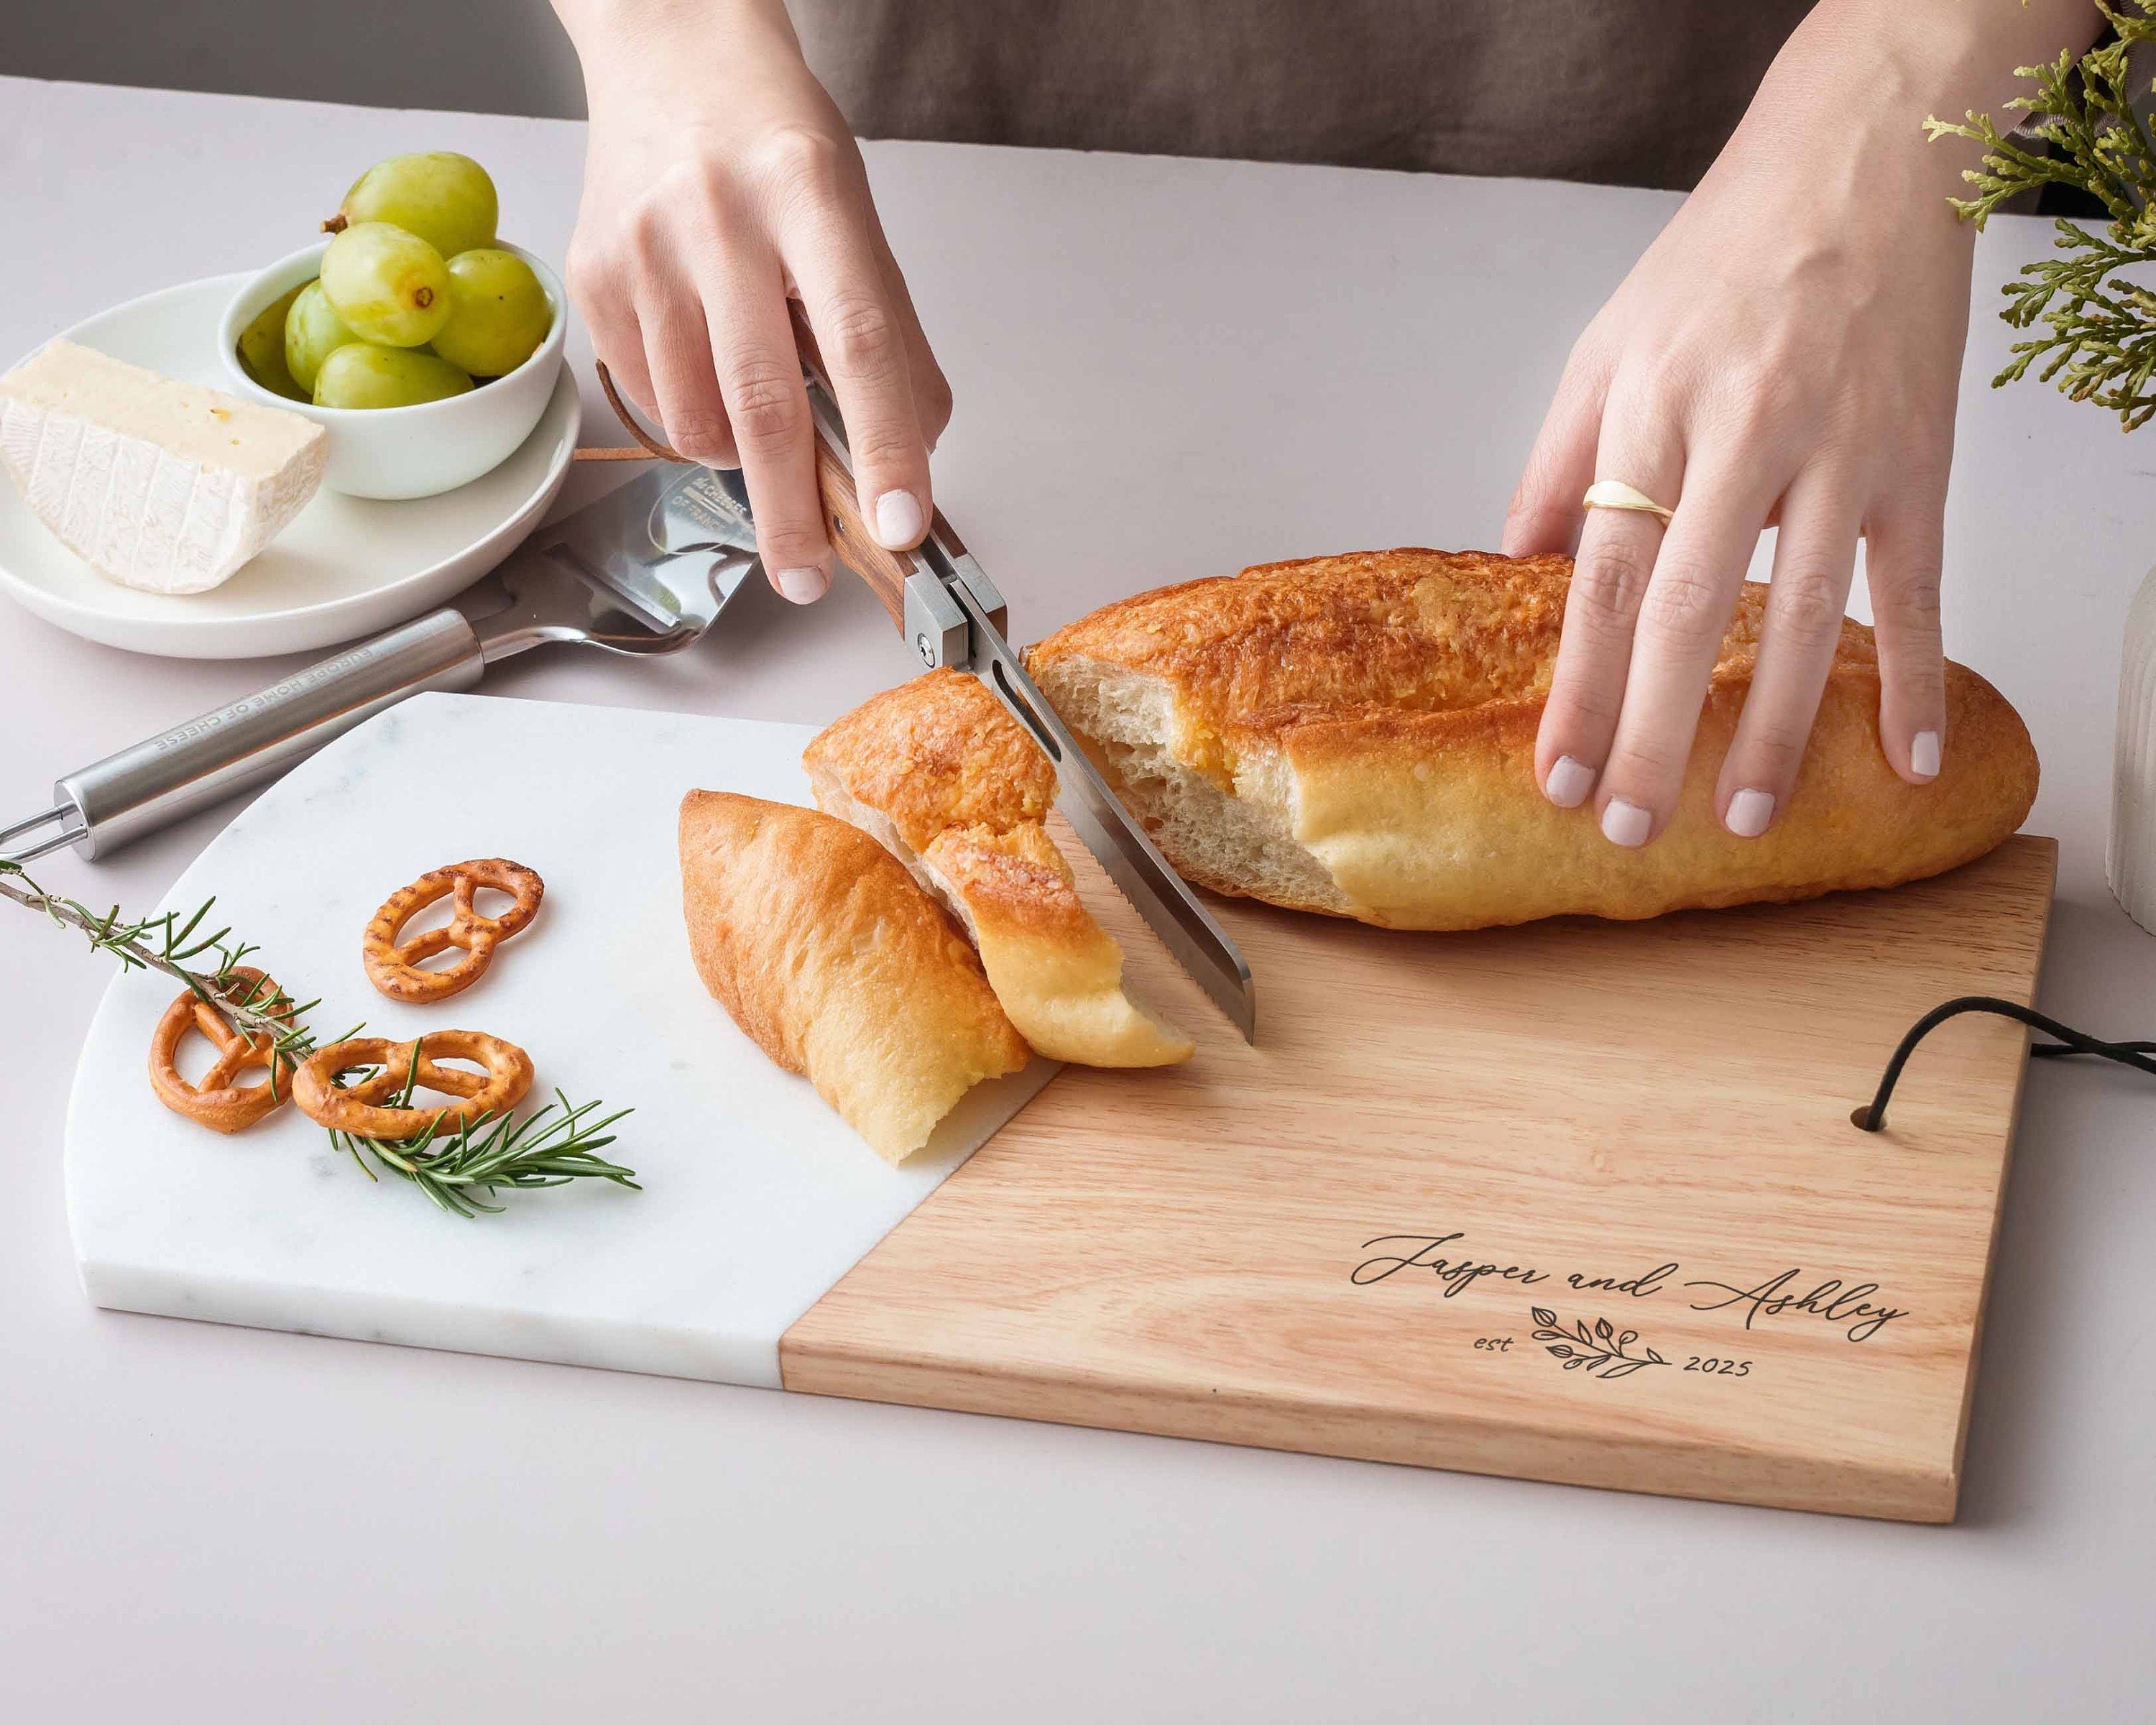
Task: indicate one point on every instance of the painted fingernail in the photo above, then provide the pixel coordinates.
(1749, 812)
(1924, 754)
(898, 519)
(804, 587)
(1568, 783)
(1626, 823)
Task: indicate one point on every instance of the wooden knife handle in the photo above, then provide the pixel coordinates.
(884, 572)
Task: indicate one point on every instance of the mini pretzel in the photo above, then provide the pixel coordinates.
(217, 1102)
(357, 1110)
(395, 969)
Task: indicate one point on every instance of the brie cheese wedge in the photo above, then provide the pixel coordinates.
(156, 484)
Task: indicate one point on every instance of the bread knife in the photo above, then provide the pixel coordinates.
(951, 615)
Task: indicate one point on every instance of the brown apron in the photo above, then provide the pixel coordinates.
(1638, 92)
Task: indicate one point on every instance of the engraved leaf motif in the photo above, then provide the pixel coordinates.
(1628, 1337)
(1602, 1329)
(1562, 1352)
(1656, 1358)
(1624, 1368)
(1543, 1316)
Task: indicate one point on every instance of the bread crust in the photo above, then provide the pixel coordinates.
(938, 771)
(831, 958)
(1382, 708)
(934, 753)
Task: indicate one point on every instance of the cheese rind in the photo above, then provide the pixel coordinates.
(154, 483)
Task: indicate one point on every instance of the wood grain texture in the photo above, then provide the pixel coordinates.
(1175, 1251)
(884, 572)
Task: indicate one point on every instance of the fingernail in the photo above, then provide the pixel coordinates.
(1626, 823)
(804, 587)
(898, 519)
(1568, 783)
(1749, 812)
(1924, 754)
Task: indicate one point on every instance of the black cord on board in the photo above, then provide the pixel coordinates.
(2140, 1055)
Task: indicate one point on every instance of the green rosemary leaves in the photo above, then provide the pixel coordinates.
(459, 1171)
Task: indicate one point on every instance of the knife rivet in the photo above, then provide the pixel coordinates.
(925, 648)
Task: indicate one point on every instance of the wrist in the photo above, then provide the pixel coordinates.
(1841, 113)
(633, 41)
(1938, 55)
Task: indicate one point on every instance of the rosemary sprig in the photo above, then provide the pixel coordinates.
(172, 944)
(553, 1145)
(2100, 339)
(550, 1147)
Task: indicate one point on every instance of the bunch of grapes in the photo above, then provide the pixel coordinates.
(414, 302)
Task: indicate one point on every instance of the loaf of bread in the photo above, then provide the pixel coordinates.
(1356, 735)
(836, 964)
(945, 779)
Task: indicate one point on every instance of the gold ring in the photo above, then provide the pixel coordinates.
(1615, 494)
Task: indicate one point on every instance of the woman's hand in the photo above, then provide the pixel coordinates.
(1788, 347)
(719, 180)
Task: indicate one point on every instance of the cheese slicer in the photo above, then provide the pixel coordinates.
(644, 570)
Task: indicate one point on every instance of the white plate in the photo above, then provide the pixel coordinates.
(346, 566)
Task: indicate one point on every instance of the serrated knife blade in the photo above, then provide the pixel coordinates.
(951, 615)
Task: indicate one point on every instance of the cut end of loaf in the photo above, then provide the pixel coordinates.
(1237, 837)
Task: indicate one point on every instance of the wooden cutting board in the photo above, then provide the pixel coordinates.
(1577, 1201)
(1448, 1156)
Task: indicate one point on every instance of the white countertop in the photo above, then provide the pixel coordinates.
(1164, 369)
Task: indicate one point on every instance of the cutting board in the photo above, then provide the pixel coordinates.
(1577, 1201)
(756, 1197)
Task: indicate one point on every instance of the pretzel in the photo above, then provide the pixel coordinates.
(357, 1109)
(395, 969)
(216, 1101)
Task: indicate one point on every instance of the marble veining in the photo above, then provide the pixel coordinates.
(757, 1197)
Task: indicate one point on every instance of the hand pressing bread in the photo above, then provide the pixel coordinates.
(945, 780)
(1356, 735)
(837, 965)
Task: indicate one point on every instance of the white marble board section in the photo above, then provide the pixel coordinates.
(757, 1197)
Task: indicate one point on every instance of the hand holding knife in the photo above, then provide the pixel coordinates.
(645, 569)
(951, 616)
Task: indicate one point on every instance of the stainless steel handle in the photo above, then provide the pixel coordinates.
(221, 753)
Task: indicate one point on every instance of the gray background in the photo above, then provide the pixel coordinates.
(202, 1523)
(478, 56)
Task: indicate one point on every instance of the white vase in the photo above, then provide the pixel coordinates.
(2130, 860)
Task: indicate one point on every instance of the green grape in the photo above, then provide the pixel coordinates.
(364, 374)
(445, 199)
(390, 286)
(262, 348)
(312, 332)
(498, 313)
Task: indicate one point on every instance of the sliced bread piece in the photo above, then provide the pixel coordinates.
(945, 779)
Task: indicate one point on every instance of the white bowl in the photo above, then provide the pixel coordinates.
(417, 451)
